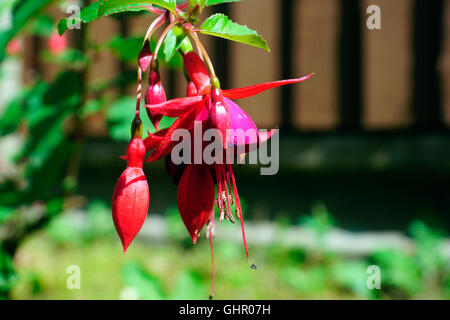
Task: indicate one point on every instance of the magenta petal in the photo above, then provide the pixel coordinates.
(241, 120)
(203, 115)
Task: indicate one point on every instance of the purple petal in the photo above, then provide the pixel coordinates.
(248, 133)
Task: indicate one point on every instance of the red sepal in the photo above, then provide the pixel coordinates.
(197, 72)
(246, 92)
(196, 198)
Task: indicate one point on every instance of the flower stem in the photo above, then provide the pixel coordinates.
(155, 10)
(238, 206)
(163, 36)
(139, 92)
(213, 268)
(155, 25)
(205, 54)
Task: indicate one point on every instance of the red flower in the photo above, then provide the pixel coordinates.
(131, 195)
(197, 71)
(145, 56)
(219, 115)
(155, 94)
(196, 198)
(213, 107)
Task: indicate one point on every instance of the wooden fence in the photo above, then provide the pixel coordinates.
(395, 78)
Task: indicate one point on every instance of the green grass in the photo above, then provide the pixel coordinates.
(179, 270)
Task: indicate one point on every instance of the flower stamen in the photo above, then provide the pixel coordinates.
(238, 204)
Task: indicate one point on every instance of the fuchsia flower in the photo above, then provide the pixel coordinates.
(216, 110)
(155, 94)
(201, 186)
(131, 194)
(196, 198)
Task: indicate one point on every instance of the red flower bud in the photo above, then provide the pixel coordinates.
(197, 72)
(219, 115)
(155, 95)
(145, 56)
(196, 198)
(131, 195)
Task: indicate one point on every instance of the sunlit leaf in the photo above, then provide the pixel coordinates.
(172, 43)
(214, 2)
(219, 25)
(109, 7)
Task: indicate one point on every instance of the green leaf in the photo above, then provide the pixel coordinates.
(172, 42)
(214, 2)
(109, 7)
(87, 15)
(219, 25)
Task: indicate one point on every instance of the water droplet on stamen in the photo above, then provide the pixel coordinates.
(253, 266)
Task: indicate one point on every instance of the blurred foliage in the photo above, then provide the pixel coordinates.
(179, 270)
(22, 13)
(46, 121)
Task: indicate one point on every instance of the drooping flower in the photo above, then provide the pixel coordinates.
(130, 199)
(155, 94)
(196, 198)
(199, 184)
(217, 110)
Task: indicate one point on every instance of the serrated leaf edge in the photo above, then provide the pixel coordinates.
(267, 48)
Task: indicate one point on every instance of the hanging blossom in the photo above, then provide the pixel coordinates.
(201, 186)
